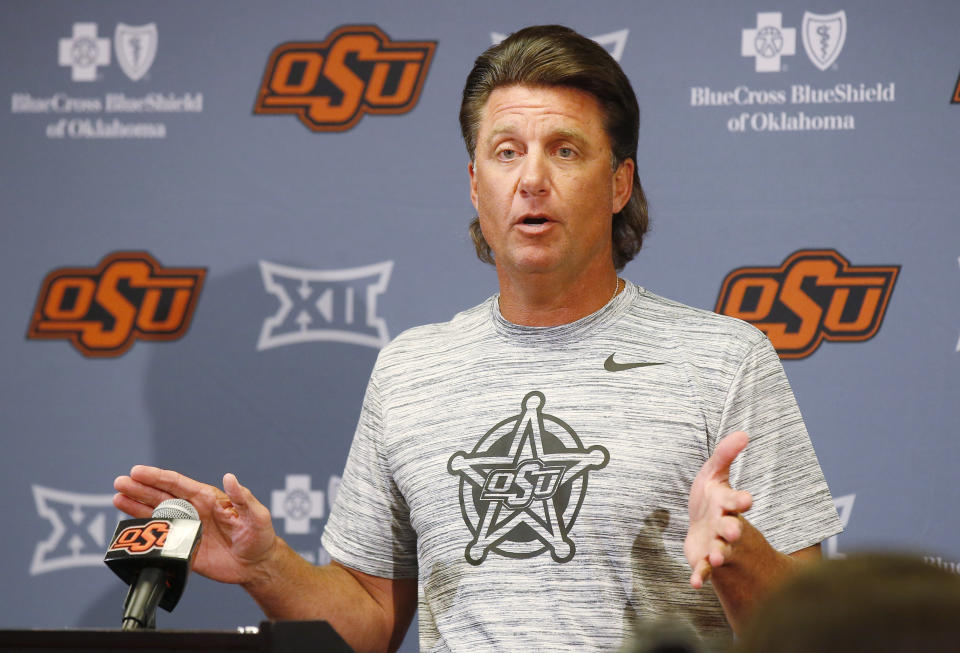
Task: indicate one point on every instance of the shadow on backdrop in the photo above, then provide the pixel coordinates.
(218, 405)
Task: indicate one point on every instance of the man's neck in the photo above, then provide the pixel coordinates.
(540, 300)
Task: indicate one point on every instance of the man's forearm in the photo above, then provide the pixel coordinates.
(287, 587)
(751, 572)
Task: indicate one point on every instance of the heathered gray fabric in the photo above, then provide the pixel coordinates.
(612, 455)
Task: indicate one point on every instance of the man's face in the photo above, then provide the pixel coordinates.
(543, 184)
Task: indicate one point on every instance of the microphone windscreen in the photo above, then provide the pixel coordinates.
(175, 509)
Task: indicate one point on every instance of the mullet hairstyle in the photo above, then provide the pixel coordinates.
(554, 55)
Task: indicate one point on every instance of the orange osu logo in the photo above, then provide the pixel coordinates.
(956, 92)
(129, 295)
(330, 85)
(815, 295)
(140, 539)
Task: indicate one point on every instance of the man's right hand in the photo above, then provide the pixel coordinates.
(240, 546)
(238, 532)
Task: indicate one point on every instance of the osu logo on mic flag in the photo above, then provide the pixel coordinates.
(814, 295)
(128, 296)
(171, 538)
(330, 85)
(140, 539)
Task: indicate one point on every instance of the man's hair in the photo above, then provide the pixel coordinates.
(553, 55)
(868, 602)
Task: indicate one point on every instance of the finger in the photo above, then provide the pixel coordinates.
(145, 494)
(731, 528)
(133, 508)
(735, 501)
(244, 500)
(718, 465)
(239, 495)
(175, 484)
(719, 552)
(700, 575)
(232, 500)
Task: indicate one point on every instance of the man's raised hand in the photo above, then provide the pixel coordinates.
(237, 530)
(715, 507)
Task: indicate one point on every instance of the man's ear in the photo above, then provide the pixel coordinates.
(473, 184)
(623, 184)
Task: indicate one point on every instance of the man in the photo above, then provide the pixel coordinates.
(543, 467)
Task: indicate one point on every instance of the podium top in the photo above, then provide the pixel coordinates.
(274, 637)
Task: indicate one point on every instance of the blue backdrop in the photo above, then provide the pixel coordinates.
(215, 214)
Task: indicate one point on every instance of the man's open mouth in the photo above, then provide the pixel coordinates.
(534, 220)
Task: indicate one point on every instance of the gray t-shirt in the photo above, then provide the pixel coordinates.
(535, 479)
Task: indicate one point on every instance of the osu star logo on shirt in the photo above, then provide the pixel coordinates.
(358, 69)
(522, 486)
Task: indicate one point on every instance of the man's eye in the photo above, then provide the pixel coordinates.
(565, 152)
(507, 154)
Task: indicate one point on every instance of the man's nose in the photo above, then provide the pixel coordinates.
(534, 175)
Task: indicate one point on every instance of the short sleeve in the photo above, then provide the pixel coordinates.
(369, 527)
(792, 504)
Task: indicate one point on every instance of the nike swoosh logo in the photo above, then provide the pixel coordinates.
(612, 366)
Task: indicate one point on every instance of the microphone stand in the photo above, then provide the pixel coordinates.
(140, 606)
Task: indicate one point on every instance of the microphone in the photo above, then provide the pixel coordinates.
(153, 556)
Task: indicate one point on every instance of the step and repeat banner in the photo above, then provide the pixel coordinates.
(215, 215)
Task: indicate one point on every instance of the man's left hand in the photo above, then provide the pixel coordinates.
(715, 507)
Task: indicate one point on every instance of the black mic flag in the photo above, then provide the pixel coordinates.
(153, 556)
